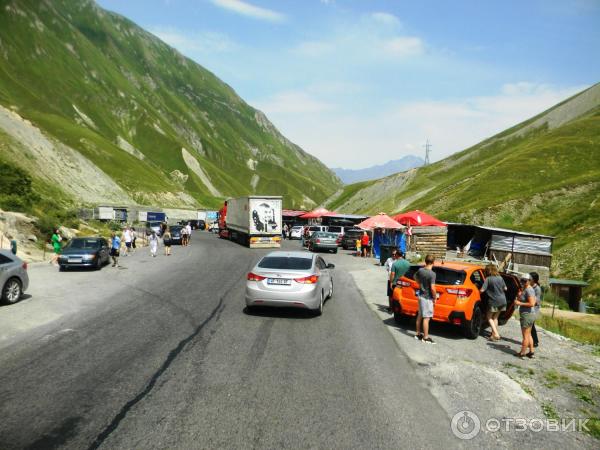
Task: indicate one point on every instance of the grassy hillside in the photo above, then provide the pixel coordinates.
(93, 82)
(541, 176)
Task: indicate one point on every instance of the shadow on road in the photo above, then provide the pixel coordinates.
(280, 313)
(443, 330)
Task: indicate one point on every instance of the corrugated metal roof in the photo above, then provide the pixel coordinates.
(568, 282)
(503, 230)
(345, 216)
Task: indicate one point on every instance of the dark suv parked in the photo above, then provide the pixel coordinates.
(350, 237)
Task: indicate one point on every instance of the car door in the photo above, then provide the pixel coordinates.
(477, 279)
(5, 263)
(325, 275)
(512, 291)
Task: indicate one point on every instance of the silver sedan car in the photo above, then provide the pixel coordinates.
(290, 279)
(13, 277)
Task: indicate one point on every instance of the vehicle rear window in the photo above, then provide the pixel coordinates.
(285, 263)
(84, 243)
(443, 275)
(335, 229)
(4, 259)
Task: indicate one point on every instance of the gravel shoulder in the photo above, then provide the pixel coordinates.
(483, 377)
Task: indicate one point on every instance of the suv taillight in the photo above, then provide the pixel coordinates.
(253, 277)
(24, 266)
(460, 292)
(404, 283)
(312, 279)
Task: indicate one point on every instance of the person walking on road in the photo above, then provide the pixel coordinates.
(128, 239)
(365, 244)
(398, 270)
(425, 277)
(535, 281)
(153, 242)
(115, 248)
(133, 239)
(167, 241)
(526, 304)
(495, 289)
(55, 240)
(188, 228)
(184, 236)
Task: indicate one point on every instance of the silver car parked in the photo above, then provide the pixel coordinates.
(14, 280)
(290, 279)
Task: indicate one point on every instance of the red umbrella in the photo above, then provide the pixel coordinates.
(381, 220)
(418, 219)
(316, 213)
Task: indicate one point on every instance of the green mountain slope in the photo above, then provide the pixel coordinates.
(93, 104)
(542, 176)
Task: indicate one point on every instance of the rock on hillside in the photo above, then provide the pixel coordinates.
(99, 107)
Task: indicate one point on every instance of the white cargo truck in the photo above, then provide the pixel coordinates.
(255, 221)
(104, 213)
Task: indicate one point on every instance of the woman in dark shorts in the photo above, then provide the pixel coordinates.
(526, 304)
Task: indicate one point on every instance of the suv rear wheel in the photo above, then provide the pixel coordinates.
(472, 327)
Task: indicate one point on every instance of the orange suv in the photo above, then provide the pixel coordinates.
(459, 302)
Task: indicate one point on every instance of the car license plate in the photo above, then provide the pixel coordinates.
(75, 260)
(279, 281)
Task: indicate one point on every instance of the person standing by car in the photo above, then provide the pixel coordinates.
(494, 287)
(526, 304)
(55, 240)
(535, 281)
(365, 244)
(167, 241)
(133, 239)
(398, 270)
(153, 242)
(425, 276)
(388, 268)
(115, 248)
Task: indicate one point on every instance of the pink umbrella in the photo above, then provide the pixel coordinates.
(381, 220)
(316, 213)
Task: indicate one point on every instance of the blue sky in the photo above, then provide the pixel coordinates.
(361, 82)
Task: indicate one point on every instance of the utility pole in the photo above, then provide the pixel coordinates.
(427, 152)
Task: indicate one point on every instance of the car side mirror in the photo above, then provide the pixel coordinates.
(331, 266)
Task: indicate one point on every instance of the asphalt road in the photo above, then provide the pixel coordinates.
(166, 357)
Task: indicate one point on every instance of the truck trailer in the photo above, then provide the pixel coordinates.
(254, 221)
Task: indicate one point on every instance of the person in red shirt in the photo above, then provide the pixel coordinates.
(365, 244)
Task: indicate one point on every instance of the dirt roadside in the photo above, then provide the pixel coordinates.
(484, 377)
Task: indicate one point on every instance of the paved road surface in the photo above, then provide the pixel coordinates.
(165, 357)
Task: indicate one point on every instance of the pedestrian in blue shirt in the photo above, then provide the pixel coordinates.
(115, 247)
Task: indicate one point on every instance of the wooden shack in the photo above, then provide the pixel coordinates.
(429, 240)
(569, 290)
(521, 248)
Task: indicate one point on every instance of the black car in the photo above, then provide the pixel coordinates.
(84, 252)
(176, 234)
(350, 237)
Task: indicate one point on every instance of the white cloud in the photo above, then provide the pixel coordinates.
(404, 46)
(249, 10)
(194, 42)
(385, 18)
(358, 139)
(291, 103)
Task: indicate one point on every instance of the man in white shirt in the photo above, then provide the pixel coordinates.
(127, 238)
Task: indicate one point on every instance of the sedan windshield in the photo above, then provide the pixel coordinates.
(84, 244)
(285, 263)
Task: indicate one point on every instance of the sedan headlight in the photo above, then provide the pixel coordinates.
(89, 257)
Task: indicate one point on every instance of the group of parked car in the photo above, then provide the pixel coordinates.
(327, 238)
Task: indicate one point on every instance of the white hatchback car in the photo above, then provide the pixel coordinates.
(296, 232)
(290, 279)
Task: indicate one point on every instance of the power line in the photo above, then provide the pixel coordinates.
(427, 152)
